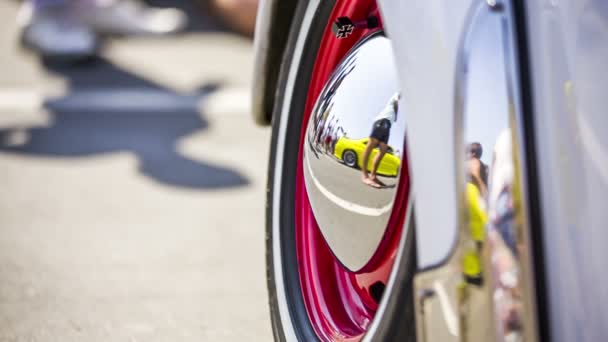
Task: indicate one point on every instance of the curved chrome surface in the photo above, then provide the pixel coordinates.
(359, 104)
(483, 292)
(493, 195)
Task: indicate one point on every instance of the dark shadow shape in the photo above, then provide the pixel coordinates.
(388, 186)
(381, 187)
(97, 73)
(151, 134)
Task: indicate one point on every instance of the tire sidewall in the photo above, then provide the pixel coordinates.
(287, 308)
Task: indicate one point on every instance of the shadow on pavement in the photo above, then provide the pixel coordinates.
(111, 110)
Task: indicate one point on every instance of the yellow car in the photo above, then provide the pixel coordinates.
(350, 151)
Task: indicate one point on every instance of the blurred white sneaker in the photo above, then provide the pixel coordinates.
(128, 17)
(54, 33)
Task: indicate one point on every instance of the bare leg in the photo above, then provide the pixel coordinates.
(377, 160)
(52, 28)
(372, 143)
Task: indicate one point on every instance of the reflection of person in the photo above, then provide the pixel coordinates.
(379, 138)
(477, 170)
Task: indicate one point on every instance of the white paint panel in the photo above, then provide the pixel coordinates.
(426, 34)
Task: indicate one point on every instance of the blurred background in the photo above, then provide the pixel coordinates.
(132, 179)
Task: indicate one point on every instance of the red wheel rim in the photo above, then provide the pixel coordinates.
(341, 304)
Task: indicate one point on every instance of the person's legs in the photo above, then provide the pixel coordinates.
(51, 29)
(379, 136)
(129, 17)
(383, 148)
(371, 144)
(69, 29)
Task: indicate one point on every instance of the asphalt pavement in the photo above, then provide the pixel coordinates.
(353, 216)
(132, 192)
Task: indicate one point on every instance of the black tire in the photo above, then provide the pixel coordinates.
(397, 323)
(349, 157)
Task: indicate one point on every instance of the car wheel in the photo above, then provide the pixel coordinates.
(316, 291)
(350, 158)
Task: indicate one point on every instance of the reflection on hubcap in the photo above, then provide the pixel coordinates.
(353, 150)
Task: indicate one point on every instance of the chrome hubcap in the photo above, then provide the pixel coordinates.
(358, 107)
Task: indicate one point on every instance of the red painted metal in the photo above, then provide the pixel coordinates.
(338, 302)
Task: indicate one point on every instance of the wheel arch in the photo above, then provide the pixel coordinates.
(274, 22)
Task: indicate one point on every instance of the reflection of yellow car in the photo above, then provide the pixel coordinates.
(351, 153)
